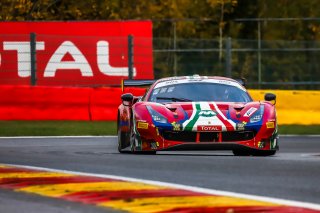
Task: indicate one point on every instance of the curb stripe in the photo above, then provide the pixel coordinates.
(11, 170)
(32, 174)
(99, 197)
(24, 182)
(58, 190)
(136, 195)
(153, 205)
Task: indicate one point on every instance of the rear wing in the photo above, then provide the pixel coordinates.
(136, 83)
(242, 81)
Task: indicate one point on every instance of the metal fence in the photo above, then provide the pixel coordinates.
(265, 64)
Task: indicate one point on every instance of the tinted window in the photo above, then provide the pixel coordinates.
(199, 92)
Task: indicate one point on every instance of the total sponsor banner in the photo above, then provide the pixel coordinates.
(74, 53)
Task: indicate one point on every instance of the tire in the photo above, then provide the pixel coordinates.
(133, 147)
(121, 140)
(132, 138)
(122, 137)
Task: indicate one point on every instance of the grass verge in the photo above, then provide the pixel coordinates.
(299, 129)
(56, 128)
(75, 128)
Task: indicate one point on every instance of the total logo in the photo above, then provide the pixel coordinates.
(207, 113)
(56, 62)
(209, 128)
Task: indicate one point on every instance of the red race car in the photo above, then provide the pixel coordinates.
(197, 113)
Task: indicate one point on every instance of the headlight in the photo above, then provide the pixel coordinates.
(257, 116)
(156, 116)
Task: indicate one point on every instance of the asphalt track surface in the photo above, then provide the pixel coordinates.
(293, 173)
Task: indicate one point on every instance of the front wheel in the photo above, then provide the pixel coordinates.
(134, 149)
(121, 140)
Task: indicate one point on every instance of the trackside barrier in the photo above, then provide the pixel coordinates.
(104, 102)
(43, 103)
(100, 104)
(60, 103)
(294, 107)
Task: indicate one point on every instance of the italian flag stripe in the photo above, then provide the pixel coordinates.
(190, 125)
(221, 117)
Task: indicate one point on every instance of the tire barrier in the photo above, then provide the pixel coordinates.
(294, 107)
(100, 104)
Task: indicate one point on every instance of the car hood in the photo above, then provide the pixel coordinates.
(214, 116)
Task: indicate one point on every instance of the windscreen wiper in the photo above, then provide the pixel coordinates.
(174, 99)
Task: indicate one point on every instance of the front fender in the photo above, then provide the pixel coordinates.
(124, 115)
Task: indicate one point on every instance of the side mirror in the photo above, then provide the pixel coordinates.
(270, 97)
(127, 99)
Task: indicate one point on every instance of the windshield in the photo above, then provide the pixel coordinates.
(197, 91)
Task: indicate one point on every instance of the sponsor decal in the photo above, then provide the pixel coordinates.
(241, 126)
(192, 80)
(71, 54)
(171, 82)
(209, 128)
(154, 145)
(142, 125)
(176, 127)
(207, 113)
(250, 112)
(261, 144)
(270, 124)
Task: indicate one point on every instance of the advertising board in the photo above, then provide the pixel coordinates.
(74, 53)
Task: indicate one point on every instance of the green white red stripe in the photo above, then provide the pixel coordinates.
(207, 114)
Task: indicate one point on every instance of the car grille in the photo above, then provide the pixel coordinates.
(186, 136)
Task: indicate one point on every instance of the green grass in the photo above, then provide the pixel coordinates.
(299, 129)
(65, 128)
(55, 128)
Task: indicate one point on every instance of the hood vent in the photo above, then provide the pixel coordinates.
(171, 107)
(238, 107)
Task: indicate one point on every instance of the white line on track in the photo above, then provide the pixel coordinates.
(180, 186)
